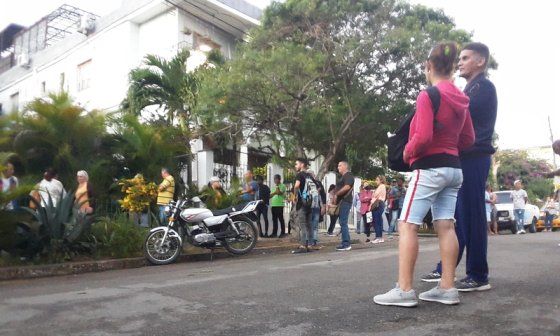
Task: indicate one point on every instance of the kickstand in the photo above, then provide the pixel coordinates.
(212, 254)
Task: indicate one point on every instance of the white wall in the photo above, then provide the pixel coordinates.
(114, 51)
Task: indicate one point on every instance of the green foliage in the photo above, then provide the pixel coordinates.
(323, 75)
(146, 148)
(516, 165)
(61, 228)
(221, 199)
(117, 236)
(168, 85)
(54, 132)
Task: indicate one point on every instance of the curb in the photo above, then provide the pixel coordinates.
(74, 268)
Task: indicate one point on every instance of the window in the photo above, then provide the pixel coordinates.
(14, 102)
(84, 75)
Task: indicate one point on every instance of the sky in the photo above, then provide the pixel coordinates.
(520, 36)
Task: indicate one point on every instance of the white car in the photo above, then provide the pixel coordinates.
(506, 217)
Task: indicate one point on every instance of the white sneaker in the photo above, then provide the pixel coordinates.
(377, 241)
(397, 297)
(523, 232)
(445, 296)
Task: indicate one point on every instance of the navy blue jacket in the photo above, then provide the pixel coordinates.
(483, 106)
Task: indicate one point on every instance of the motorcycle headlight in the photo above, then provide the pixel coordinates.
(167, 211)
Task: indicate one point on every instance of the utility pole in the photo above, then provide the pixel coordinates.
(552, 142)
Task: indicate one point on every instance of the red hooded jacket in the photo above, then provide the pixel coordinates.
(454, 129)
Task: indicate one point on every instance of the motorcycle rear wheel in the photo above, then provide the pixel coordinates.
(163, 254)
(245, 242)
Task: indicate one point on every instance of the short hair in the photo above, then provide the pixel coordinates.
(277, 177)
(479, 48)
(345, 163)
(304, 161)
(164, 169)
(260, 178)
(443, 58)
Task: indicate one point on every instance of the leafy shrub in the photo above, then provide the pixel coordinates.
(117, 236)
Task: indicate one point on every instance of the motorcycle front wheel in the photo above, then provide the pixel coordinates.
(245, 241)
(160, 252)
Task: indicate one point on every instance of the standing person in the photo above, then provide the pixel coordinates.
(49, 187)
(475, 162)
(263, 194)
(490, 199)
(377, 206)
(433, 154)
(277, 203)
(302, 212)
(366, 195)
(550, 209)
(8, 183)
(331, 204)
(393, 197)
(166, 191)
(250, 188)
(317, 210)
(84, 197)
(519, 198)
(399, 194)
(344, 198)
(356, 204)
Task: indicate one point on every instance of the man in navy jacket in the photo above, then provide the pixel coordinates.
(471, 223)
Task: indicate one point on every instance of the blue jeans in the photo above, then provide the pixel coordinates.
(162, 218)
(471, 226)
(548, 220)
(315, 216)
(345, 208)
(519, 218)
(359, 225)
(394, 219)
(378, 220)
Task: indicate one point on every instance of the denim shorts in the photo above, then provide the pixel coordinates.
(434, 188)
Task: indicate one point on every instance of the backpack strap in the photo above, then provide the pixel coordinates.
(435, 97)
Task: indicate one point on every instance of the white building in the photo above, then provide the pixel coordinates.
(93, 65)
(91, 57)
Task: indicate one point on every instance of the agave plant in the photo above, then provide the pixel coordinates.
(61, 226)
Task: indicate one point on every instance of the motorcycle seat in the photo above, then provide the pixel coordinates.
(221, 212)
(228, 210)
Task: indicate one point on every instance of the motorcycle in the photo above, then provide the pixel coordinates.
(233, 228)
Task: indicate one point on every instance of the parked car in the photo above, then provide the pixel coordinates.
(506, 217)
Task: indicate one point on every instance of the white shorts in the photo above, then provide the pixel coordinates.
(434, 188)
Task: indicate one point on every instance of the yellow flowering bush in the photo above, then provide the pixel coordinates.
(138, 194)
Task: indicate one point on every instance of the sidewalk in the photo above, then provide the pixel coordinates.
(190, 253)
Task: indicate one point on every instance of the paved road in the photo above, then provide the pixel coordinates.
(324, 293)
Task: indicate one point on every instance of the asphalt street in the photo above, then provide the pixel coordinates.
(321, 293)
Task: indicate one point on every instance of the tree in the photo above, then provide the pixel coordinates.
(326, 76)
(516, 165)
(168, 85)
(54, 132)
(144, 148)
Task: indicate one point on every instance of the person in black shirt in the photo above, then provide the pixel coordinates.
(302, 215)
(344, 197)
(263, 194)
